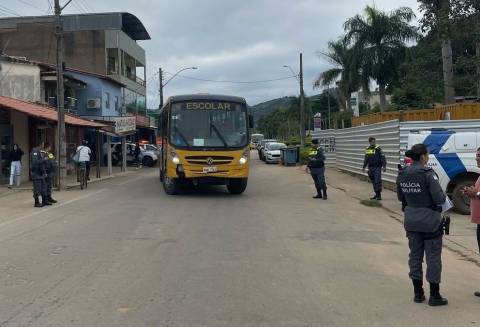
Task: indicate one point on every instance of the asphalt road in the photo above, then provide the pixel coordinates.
(123, 253)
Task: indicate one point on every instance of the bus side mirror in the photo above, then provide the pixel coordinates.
(251, 123)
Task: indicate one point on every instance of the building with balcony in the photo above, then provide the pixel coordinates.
(105, 44)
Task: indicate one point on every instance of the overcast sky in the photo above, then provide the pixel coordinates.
(237, 40)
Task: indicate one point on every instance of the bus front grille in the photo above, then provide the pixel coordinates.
(209, 160)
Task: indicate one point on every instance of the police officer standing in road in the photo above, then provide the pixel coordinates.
(49, 170)
(375, 160)
(316, 164)
(38, 174)
(422, 198)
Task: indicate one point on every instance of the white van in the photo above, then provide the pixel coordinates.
(452, 157)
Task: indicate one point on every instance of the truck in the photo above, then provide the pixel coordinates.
(452, 157)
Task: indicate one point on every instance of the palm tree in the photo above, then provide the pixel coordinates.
(380, 39)
(345, 73)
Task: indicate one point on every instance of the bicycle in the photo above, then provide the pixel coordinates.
(82, 173)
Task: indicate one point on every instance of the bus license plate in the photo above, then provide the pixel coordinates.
(210, 170)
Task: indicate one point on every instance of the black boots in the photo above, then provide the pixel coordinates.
(50, 199)
(320, 196)
(418, 290)
(45, 201)
(435, 298)
(37, 203)
(477, 294)
(377, 196)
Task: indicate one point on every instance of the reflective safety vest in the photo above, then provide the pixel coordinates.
(371, 151)
(312, 153)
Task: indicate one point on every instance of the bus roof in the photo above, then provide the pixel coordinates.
(188, 97)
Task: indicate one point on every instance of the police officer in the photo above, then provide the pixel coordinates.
(375, 160)
(422, 197)
(316, 164)
(49, 170)
(38, 174)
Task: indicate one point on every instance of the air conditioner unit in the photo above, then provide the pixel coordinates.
(94, 103)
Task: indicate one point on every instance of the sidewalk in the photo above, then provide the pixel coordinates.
(71, 180)
(462, 238)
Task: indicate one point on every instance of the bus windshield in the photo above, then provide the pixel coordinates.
(209, 124)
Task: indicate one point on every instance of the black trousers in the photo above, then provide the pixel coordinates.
(375, 175)
(39, 188)
(48, 185)
(478, 237)
(318, 176)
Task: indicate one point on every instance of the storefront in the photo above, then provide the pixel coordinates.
(28, 124)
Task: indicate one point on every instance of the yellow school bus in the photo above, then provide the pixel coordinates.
(205, 140)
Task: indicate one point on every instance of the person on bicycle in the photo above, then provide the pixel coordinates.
(84, 154)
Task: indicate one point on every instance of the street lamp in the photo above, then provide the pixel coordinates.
(299, 78)
(162, 85)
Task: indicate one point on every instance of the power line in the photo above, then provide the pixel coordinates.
(32, 5)
(233, 82)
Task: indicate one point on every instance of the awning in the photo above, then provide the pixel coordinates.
(44, 112)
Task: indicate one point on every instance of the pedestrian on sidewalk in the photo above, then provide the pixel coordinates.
(49, 170)
(84, 157)
(136, 154)
(316, 165)
(473, 192)
(376, 162)
(15, 166)
(422, 198)
(38, 175)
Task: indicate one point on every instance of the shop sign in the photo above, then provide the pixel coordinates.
(125, 124)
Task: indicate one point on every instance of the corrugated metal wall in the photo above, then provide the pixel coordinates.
(345, 148)
(351, 144)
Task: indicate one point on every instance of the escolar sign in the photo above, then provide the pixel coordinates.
(125, 124)
(208, 106)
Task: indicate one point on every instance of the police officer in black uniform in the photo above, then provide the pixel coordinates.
(49, 170)
(316, 164)
(422, 197)
(375, 160)
(38, 174)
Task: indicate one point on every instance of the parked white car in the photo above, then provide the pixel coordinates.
(148, 158)
(273, 152)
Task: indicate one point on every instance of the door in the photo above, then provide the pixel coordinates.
(6, 143)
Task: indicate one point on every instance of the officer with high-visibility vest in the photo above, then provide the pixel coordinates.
(316, 164)
(50, 171)
(376, 162)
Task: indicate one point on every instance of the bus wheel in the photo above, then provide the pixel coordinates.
(237, 185)
(460, 201)
(170, 185)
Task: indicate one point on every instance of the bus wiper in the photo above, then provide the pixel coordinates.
(182, 136)
(219, 134)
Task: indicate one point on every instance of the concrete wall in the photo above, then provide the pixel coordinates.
(20, 136)
(21, 81)
(97, 88)
(118, 39)
(84, 50)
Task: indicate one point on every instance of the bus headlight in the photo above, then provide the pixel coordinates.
(175, 160)
(242, 160)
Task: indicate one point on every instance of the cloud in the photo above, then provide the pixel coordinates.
(234, 40)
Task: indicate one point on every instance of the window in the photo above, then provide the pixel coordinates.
(116, 103)
(107, 100)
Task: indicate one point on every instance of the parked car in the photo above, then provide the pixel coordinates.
(261, 147)
(273, 152)
(148, 158)
(151, 147)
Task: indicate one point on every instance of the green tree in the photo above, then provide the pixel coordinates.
(437, 16)
(380, 38)
(345, 70)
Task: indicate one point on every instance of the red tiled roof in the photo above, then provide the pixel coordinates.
(45, 112)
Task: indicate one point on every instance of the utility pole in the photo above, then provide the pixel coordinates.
(62, 146)
(328, 97)
(160, 88)
(302, 106)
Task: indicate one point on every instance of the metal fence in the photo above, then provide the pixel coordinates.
(345, 148)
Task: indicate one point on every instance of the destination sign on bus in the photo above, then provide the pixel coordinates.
(208, 106)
